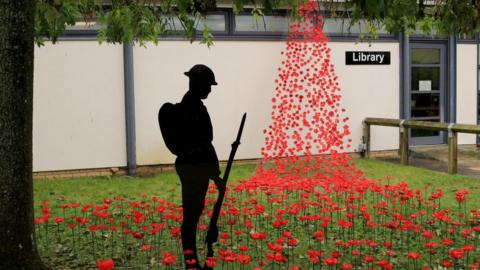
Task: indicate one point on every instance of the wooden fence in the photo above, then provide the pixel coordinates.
(406, 125)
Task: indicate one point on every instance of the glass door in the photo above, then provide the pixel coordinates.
(427, 90)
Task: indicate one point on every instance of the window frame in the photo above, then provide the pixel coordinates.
(230, 33)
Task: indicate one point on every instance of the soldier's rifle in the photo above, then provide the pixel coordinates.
(212, 234)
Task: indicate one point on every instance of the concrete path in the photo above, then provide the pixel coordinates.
(435, 157)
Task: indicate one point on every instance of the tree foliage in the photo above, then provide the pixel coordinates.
(146, 20)
(141, 20)
(440, 16)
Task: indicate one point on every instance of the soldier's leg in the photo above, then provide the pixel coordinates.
(194, 189)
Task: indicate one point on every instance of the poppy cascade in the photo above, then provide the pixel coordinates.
(306, 207)
(306, 113)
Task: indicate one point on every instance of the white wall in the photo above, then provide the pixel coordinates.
(78, 109)
(467, 89)
(369, 91)
(79, 119)
(245, 72)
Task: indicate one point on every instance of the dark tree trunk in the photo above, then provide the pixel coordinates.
(17, 233)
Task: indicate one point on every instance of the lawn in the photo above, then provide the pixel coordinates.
(373, 220)
(167, 185)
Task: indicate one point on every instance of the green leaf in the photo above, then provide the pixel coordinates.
(207, 37)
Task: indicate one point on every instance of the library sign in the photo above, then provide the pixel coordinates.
(367, 58)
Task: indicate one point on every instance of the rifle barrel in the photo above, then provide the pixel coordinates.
(221, 195)
(235, 145)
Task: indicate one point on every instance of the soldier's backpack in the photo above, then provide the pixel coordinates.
(168, 119)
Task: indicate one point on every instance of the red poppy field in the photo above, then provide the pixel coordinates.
(300, 210)
(339, 221)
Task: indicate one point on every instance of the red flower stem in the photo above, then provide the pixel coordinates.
(124, 245)
(111, 243)
(93, 244)
(46, 236)
(73, 240)
(292, 251)
(430, 260)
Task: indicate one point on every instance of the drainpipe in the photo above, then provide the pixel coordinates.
(452, 75)
(477, 40)
(129, 108)
(404, 74)
(404, 79)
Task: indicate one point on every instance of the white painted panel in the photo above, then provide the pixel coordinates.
(245, 72)
(79, 119)
(369, 91)
(466, 89)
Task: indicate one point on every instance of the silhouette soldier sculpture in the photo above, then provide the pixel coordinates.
(187, 131)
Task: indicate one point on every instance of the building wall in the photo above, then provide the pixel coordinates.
(245, 72)
(79, 119)
(370, 91)
(78, 116)
(467, 89)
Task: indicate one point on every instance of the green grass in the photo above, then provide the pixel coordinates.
(419, 177)
(60, 246)
(167, 186)
(94, 189)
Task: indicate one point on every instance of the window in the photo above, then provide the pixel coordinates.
(215, 22)
(341, 27)
(224, 24)
(84, 26)
(265, 24)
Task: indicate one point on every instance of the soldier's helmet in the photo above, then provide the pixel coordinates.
(201, 73)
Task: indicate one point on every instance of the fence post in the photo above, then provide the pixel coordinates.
(452, 150)
(403, 144)
(366, 138)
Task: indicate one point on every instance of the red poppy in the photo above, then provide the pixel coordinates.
(460, 195)
(243, 259)
(368, 259)
(146, 247)
(356, 253)
(447, 242)
(106, 264)
(428, 234)
(211, 262)
(82, 221)
(456, 254)
(258, 235)
(168, 259)
(447, 264)
(39, 221)
(137, 235)
(92, 228)
(413, 255)
(430, 245)
(292, 242)
(384, 264)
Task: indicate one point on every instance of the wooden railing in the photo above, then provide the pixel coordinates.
(406, 125)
